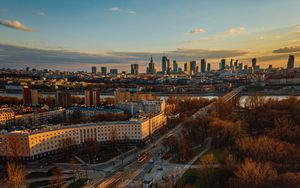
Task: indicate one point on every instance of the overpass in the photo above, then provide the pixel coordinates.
(226, 98)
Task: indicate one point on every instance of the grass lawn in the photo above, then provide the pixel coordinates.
(191, 177)
(203, 177)
(78, 183)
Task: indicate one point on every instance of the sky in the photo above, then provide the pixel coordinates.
(77, 34)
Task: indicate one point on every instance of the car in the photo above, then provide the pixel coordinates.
(151, 161)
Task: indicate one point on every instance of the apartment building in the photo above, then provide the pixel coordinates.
(31, 145)
(6, 116)
(40, 117)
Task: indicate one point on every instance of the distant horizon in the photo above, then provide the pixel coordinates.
(82, 63)
(75, 35)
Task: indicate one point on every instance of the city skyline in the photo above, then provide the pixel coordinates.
(77, 35)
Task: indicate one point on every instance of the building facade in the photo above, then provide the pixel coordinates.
(92, 97)
(31, 145)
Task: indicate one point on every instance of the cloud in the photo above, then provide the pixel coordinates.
(19, 56)
(15, 25)
(287, 50)
(260, 37)
(42, 14)
(115, 9)
(197, 31)
(235, 31)
(131, 12)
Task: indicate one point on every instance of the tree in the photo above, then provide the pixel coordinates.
(75, 170)
(57, 180)
(15, 175)
(197, 129)
(208, 161)
(285, 130)
(264, 149)
(225, 132)
(252, 174)
(91, 148)
(287, 180)
(224, 110)
(67, 147)
(183, 149)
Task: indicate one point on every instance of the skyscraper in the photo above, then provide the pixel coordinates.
(253, 63)
(30, 97)
(113, 71)
(208, 67)
(192, 67)
(291, 62)
(104, 70)
(92, 97)
(203, 66)
(175, 67)
(236, 64)
(135, 69)
(240, 66)
(94, 70)
(187, 67)
(231, 64)
(62, 99)
(151, 67)
(164, 64)
(222, 64)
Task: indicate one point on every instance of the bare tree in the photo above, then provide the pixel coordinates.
(15, 175)
(208, 161)
(252, 174)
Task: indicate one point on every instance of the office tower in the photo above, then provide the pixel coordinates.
(135, 69)
(94, 70)
(114, 71)
(291, 61)
(151, 67)
(240, 66)
(222, 64)
(62, 99)
(203, 66)
(175, 67)
(192, 67)
(164, 64)
(231, 64)
(169, 68)
(208, 67)
(30, 97)
(104, 70)
(254, 63)
(187, 67)
(236, 64)
(92, 97)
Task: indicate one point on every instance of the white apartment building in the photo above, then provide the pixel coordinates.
(30, 145)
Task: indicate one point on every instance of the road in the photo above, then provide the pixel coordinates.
(132, 173)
